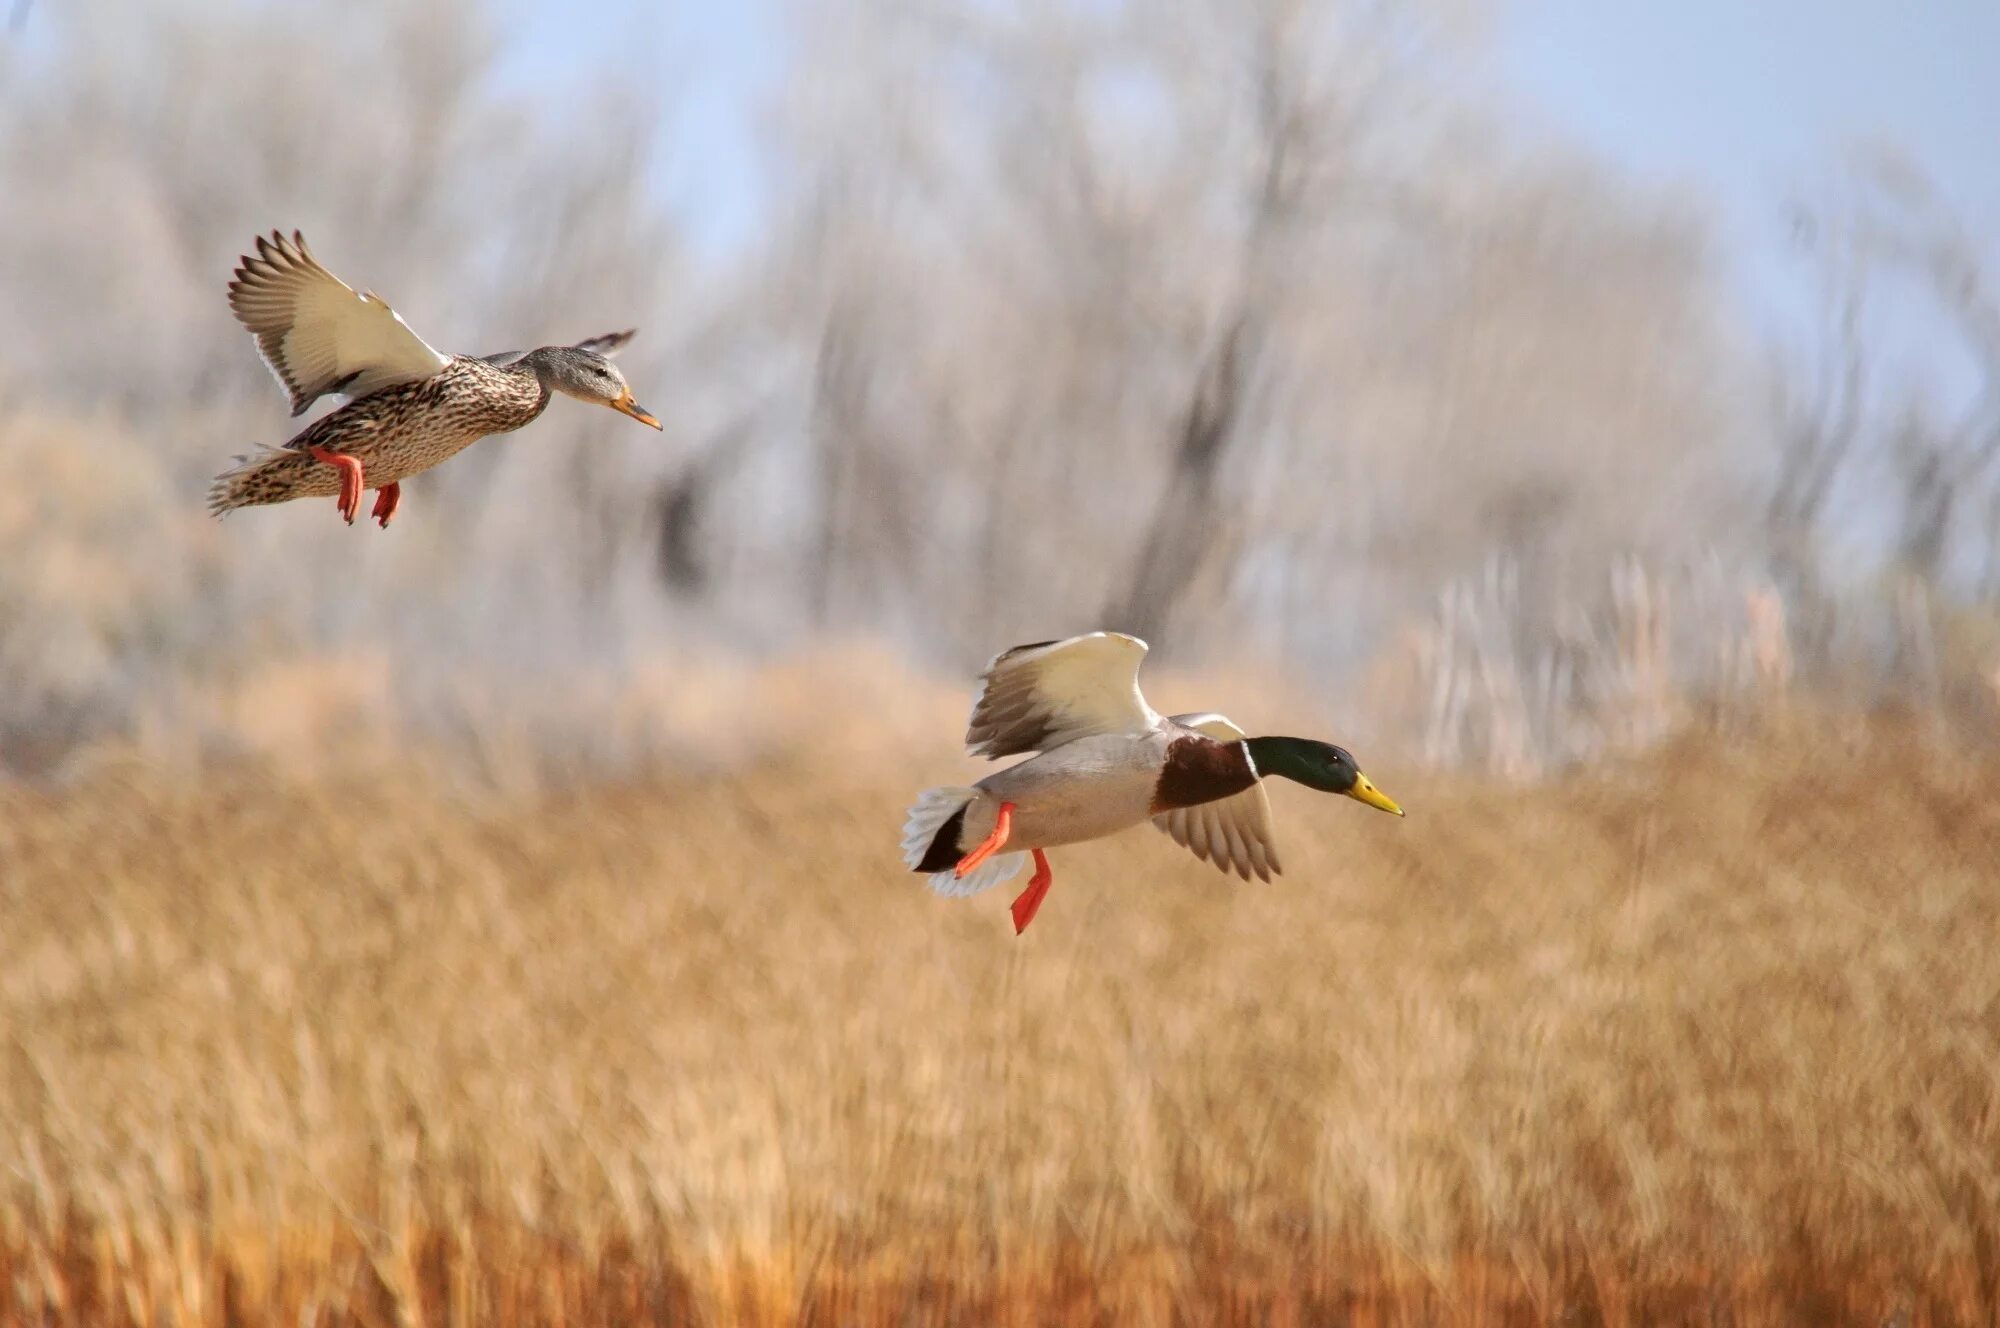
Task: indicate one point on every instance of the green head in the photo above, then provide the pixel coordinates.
(1319, 765)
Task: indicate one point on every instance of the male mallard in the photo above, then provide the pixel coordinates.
(1107, 761)
(409, 406)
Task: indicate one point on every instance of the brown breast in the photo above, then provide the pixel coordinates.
(1201, 770)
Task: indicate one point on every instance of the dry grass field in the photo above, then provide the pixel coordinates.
(1712, 1035)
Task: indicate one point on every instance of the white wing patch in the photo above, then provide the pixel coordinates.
(1234, 833)
(318, 334)
(1041, 696)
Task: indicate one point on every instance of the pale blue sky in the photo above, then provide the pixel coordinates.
(1738, 103)
(714, 64)
(1749, 102)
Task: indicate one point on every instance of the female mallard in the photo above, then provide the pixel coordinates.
(1107, 761)
(409, 407)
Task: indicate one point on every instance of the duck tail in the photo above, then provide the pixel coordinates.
(268, 475)
(930, 844)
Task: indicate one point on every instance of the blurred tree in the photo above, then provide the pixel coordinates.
(1207, 319)
(142, 148)
(1915, 453)
(1245, 324)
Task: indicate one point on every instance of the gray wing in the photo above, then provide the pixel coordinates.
(1234, 832)
(607, 345)
(1040, 696)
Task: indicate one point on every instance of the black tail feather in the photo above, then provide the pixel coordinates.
(944, 853)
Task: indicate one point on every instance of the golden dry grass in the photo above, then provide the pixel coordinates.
(1711, 1036)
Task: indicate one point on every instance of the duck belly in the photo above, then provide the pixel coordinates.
(405, 430)
(1085, 789)
(414, 448)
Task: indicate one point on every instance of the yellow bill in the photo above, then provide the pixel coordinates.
(625, 405)
(1364, 791)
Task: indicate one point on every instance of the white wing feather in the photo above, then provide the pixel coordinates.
(1234, 832)
(1040, 696)
(317, 333)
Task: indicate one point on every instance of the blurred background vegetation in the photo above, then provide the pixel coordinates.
(532, 947)
(1260, 329)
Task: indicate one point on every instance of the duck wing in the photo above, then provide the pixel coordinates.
(317, 333)
(1234, 832)
(607, 345)
(1039, 696)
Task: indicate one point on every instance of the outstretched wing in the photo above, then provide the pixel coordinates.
(316, 332)
(1043, 695)
(607, 345)
(1233, 832)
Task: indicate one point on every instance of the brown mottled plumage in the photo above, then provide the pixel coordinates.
(413, 407)
(395, 433)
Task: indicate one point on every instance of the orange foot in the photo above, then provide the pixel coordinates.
(386, 499)
(350, 480)
(1003, 825)
(1031, 898)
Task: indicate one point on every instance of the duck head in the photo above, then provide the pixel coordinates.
(587, 376)
(1318, 765)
